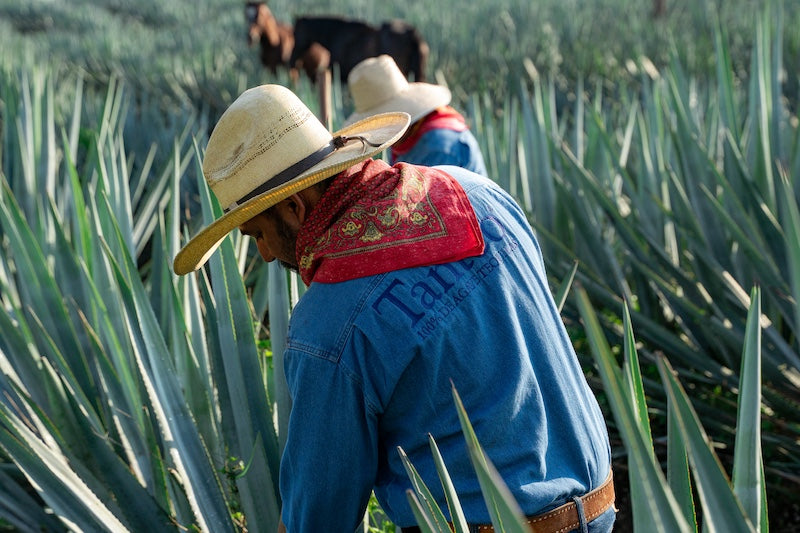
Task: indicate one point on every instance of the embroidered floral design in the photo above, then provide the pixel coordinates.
(376, 218)
(400, 215)
(306, 260)
(372, 233)
(418, 218)
(390, 217)
(350, 228)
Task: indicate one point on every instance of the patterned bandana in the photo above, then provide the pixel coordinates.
(444, 118)
(374, 218)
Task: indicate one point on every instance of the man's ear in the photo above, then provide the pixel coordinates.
(296, 209)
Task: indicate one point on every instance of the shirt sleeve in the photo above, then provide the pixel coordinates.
(329, 464)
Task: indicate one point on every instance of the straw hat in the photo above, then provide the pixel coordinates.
(377, 85)
(266, 147)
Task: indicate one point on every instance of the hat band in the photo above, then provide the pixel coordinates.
(288, 173)
(291, 172)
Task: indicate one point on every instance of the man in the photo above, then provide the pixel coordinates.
(438, 134)
(417, 278)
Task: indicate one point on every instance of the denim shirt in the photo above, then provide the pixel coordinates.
(371, 364)
(445, 147)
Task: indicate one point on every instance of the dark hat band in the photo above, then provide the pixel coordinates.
(291, 172)
(288, 173)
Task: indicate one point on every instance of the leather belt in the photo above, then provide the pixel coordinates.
(564, 518)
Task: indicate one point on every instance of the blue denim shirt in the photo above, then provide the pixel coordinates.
(370, 363)
(445, 147)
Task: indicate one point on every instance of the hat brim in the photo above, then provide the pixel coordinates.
(383, 130)
(417, 99)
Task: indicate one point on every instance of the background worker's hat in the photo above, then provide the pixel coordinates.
(267, 146)
(377, 85)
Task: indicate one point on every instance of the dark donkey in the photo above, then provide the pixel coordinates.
(351, 41)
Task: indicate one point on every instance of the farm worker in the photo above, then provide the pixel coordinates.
(438, 134)
(419, 279)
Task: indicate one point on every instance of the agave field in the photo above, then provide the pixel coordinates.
(658, 159)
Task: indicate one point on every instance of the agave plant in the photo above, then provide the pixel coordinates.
(664, 502)
(130, 399)
(120, 401)
(673, 200)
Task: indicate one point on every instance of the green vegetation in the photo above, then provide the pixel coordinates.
(670, 181)
(191, 49)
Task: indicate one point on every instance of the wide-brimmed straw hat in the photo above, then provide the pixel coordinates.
(377, 85)
(267, 146)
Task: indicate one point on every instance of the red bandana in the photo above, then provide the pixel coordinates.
(444, 118)
(375, 218)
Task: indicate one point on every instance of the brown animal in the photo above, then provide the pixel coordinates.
(351, 41)
(316, 58)
(276, 41)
